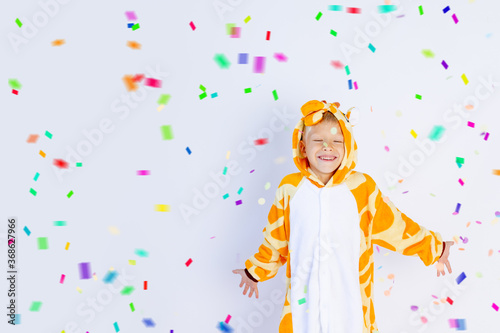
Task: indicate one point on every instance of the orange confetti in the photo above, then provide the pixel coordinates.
(490, 253)
(469, 107)
(133, 45)
(390, 276)
(129, 83)
(461, 249)
(468, 224)
(400, 181)
(496, 172)
(33, 138)
(58, 42)
(42, 153)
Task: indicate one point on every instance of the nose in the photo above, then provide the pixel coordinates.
(326, 146)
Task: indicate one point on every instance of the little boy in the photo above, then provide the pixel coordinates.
(323, 223)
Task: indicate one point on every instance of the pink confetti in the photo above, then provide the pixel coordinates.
(355, 85)
(486, 136)
(131, 16)
(227, 319)
(62, 278)
(455, 18)
(470, 124)
(236, 32)
(258, 64)
(461, 181)
(494, 306)
(386, 148)
(143, 172)
(280, 57)
(189, 262)
(152, 82)
(337, 64)
(192, 25)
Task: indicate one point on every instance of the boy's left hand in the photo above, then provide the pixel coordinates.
(444, 259)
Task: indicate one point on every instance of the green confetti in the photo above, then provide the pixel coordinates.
(132, 307)
(305, 289)
(166, 132)
(248, 90)
(202, 96)
(479, 274)
(127, 290)
(336, 8)
(247, 19)
(428, 53)
(59, 223)
(240, 190)
(202, 87)
(70, 194)
(225, 196)
(225, 170)
(347, 70)
(275, 95)
(371, 47)
(417, 96)
(48, 134)
(387, 8)
(229, 28)
(32, 191)
(36, 176)
(319, 16)
(333, 32)
(35, 306)
(78, 164)
(43, 243)
(164, 98)
(460, 160)
(142, 253)
(267, 186)
(18, 22)
(222, 60)
(15, 84)
(436, 133)
(421, 10)
(302, 301)
(135, 26)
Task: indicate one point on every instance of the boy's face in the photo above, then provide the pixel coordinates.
(323, 141)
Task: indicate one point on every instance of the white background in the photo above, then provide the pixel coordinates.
(68, 90)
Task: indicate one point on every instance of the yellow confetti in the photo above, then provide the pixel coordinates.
(131, 262)
(67, 246)
(414, 134)
(95, 276)
(79, 289)
(160, 107)
(162, 208)
(464, 78)
(114, 230)
(261, 201)
(227, 155)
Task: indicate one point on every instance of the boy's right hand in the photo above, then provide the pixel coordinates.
(249, 283)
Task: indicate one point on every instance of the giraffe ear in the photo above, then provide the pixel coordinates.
(353, 116)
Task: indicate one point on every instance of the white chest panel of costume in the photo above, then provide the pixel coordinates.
(324, 260)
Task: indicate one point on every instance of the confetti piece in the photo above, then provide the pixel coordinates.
(471, 124)
(142, 253)
(259, 64)
(130, 25)
(110, 277)
(135, 27)
(58, 42)
(18, 22)
(224, 171)
(61, 281)
(455, 19)
(337, 64)
(127, 290)
(464, 78)
(162, 208)
(138, 77)
(428, 53)
(459, 324)
(260, 141)
(27, 230)
(59, 223)
(225, 196)
(268, 35)
(131, 262)
(275, 95)
(460, 278)
(417, 96)
(302, 301)
(132, 308)
(280, 57)
(386, 148)
(191, 24)
(67, 246)
(42, 153)
(149, 322)
(355, 85)
(70, 194)
(445, 65)
(414, 308)
(495, 307)
(131, 16)
(164, 99)
(333, 32)
(240, 190)
(336, 8)
(247, 19)
(413, 133)
(236, 32)
(238, 202)
(79, 289)
(318, 16)
(347, 71)
(457, 209)
(229, 28)
(353, 10)
(202, 96)
(461, 181)
(349, 82)
(117, 329)
(133, 45)
(387, 8)
(222, 61)
(143, 172)
(460, 160)
(15, 92)
(261, 201)
(130, 83)
(446, 9)
(486, 136)
(166, 132)
(496, 172)
(35, 306)
(33, 138)
(436, 133)
(189, 262)
(145, 285)
(43, 243)
(248, 90)
(150, 82)
(62, 164)
(421, 10)
(84, 270)
(214, 95)
(36, 176)
(243, 58)
(371, 47)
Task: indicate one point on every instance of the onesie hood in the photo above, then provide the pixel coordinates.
(312, 113)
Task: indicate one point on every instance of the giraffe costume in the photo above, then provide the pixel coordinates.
(315, 229)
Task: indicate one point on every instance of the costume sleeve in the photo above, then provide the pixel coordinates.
(397, 232)
(273, 251)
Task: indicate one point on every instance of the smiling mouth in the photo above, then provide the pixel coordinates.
(329, 159)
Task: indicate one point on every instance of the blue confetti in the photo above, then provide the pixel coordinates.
(188, 150)
(149, 322)
(460, 278)
(27, 231)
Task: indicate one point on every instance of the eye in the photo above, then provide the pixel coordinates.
(318, 140)
(339, 141)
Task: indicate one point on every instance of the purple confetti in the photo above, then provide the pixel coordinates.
(131, 16)
(259, 64)
(445, 65)
(486, 136)
(84, 268)
(243, 58)
(238, 202)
